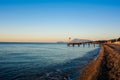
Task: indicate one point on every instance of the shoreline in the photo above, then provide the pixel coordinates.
(105, 67)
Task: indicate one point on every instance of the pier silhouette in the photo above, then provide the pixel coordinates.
(85, 43)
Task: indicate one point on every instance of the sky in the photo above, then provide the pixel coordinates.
(57, 20)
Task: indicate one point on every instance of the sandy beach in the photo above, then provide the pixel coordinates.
(106, 66)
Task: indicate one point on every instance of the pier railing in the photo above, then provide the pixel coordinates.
(82, 43)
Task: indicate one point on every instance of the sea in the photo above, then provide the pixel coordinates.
(44, 61)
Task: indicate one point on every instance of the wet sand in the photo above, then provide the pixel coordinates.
(106, 66)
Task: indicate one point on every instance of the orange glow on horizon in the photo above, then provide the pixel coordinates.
(43, 38)
(29, 39)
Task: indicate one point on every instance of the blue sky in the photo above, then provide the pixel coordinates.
(56, 20)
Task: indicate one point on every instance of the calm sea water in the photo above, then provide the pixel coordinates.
(43, 61)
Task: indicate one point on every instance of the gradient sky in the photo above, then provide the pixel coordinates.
(56, 20)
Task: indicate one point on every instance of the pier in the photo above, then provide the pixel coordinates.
(83, 44)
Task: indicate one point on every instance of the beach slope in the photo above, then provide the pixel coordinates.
(106, 66)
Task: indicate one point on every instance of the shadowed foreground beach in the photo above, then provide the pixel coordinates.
(106, 66)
